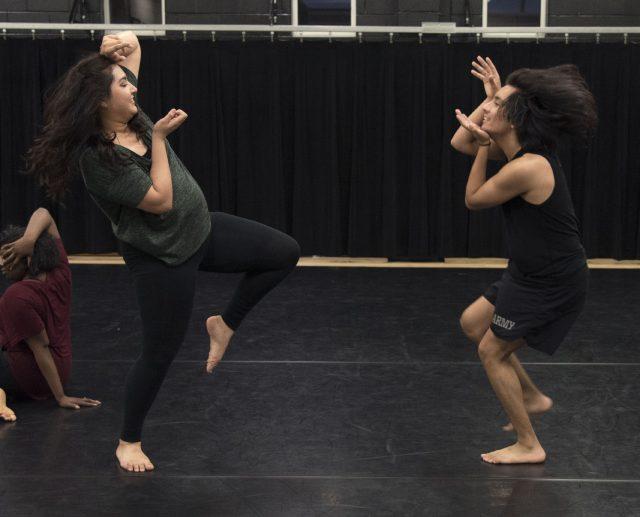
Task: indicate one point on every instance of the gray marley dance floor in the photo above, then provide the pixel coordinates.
(346, 392)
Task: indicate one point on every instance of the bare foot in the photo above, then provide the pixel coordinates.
(132, 458)
(6, 413)
(516, 453)
(219, 336)
(534, 406)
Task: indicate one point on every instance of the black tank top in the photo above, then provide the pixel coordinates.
(544, 240)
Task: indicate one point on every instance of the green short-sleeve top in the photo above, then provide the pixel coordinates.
(172, 237)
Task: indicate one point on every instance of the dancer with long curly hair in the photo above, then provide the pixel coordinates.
(543, 289)
(94, 127)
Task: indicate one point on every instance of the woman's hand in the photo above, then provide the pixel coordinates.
(169, 123)
(114, 48)
(482, 137)
(14, 252)
(77, 403)
(487, 72)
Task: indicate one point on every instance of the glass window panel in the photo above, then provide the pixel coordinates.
(324, 12)
(513, 13)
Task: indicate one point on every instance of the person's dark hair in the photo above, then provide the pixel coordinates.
(550, 102)
(46, 255)
(72, 123)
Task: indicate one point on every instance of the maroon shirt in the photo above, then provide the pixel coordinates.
(27, 307)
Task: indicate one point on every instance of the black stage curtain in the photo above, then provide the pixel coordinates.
(343, 145)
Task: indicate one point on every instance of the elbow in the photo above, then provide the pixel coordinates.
(167, 204)
(160, 209)
(470, 204)
(156, 203)
(37, 347)
(44, 215)
(167, 207)
(164, 207)
(462, 147)
(129, 35)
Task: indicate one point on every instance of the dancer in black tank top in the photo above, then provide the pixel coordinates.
(544, 287)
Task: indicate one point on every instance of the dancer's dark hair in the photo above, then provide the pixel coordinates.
(72, 123)
(550, 102)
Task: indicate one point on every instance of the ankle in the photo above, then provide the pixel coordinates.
(530, 395)
(529, 442)
(222, 325)
(122, 443)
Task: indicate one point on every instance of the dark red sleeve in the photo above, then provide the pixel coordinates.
(19, 316)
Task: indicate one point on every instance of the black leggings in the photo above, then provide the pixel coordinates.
(165, 296)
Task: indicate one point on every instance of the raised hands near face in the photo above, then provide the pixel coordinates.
(482, 137)
(11, 254)
(486, 71)
(114, 48)
(170, 122)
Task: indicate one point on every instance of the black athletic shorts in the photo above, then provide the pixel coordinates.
(540, 312)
